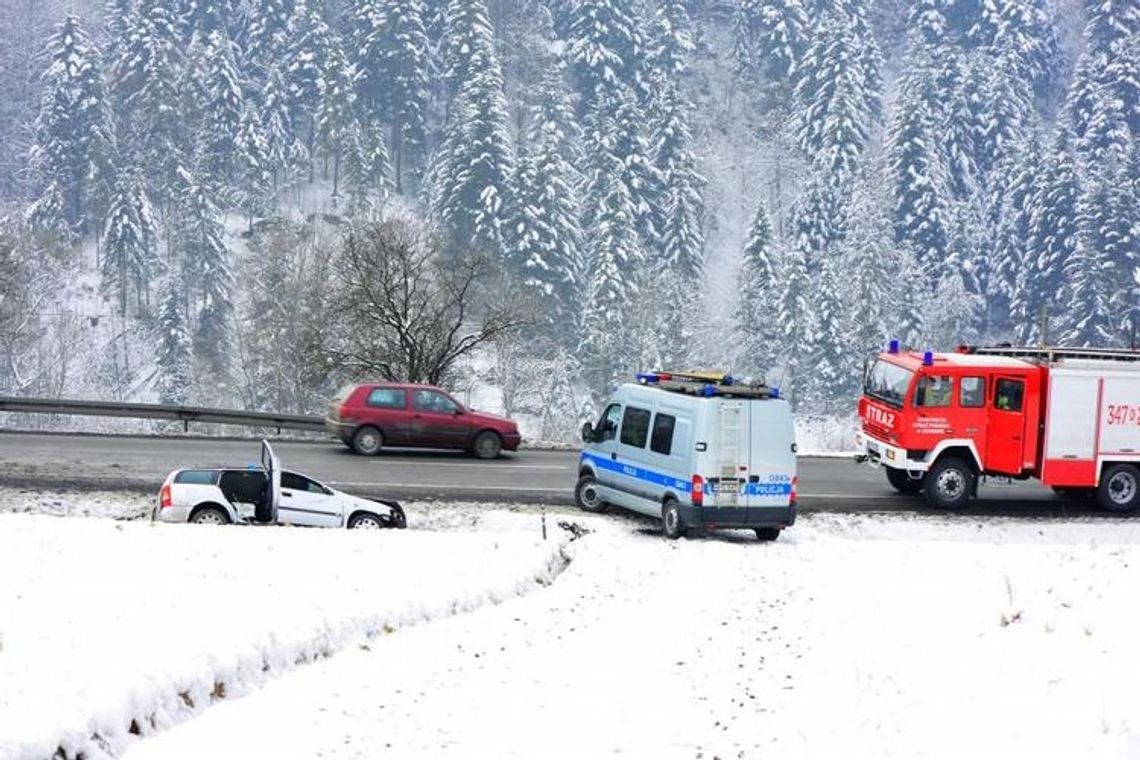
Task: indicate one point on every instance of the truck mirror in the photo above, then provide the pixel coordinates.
(588, 432)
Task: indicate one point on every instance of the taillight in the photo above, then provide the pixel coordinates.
(795, 482)
(164, 499)
(698, 490)
(343, 411)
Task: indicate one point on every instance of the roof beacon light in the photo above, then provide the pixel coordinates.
(708, 391)
(647, 378)
(893, 346)
(928, 359)
(774, 391)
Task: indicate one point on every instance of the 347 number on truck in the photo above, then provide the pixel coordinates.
(939, 422)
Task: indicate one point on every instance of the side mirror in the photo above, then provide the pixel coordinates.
(588, 432)
(458, 412)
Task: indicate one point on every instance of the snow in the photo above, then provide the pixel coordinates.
(852, 636)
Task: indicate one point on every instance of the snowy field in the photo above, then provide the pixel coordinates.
(470, 636)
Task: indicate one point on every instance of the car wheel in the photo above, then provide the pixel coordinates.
(367, 441)
(210, 516)
(586, 495)
(671, 522)
(487, 445)
(902, 482)
(949, 483)
(767, 534)
(1119, 489)
(365, 521)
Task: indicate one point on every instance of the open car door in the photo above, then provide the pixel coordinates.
(271, 498)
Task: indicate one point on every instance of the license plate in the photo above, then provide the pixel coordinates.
(729, 486)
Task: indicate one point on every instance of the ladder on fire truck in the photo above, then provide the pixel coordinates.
(707, 384)
(1051, 354)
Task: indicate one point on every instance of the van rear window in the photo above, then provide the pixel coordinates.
(635, 427)
(197, 477)
(662, 440)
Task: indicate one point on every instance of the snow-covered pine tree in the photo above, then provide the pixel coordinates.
(73, 122)
(830, 377)
(547, 238)
(606, 50)
(1007, 111)
(472, 194)
(836, 108)
(308, 47)
(794, 318)
(266, 24)
(643, 179)
(614, 257)
(283, 150)
(771, 37)
(254, 171)
(672, 42)
(757, 323)
(1052, 234)
(392, 57)
(223, 108)
(129, 259)
(682, 231)
(1092, 277)
(336, 120)
(963, 127)
(928, 20)
(1014, 268)
(173, 358)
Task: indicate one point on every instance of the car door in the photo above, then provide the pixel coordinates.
(602, 454)
(436, 420)
(306, 502)
(1005, 434)
(270, 499)
(387, 408)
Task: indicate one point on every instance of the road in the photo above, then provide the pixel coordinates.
(529, 476)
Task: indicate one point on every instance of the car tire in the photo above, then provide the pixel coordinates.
(1119, 489)
(365, 521)
(902, 482)
(671, 524)
(949, 483)
(586, 495)
(367, 441)
(210, 516)
(767, 534)
(487, 445)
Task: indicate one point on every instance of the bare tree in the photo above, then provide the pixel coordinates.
(403, 314)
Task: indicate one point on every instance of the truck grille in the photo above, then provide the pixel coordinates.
(875, 431)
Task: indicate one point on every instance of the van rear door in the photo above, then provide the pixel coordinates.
(732, 452)
(772, 462)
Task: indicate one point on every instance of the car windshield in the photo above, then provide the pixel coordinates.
(887, 382)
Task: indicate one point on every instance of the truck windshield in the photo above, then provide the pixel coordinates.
(887, 382)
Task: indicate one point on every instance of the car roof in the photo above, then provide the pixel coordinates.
(913, 360)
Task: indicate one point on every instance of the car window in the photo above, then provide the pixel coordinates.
(608, 424)
(662, 440)
(933, 391)
(295, 482)
(635, 427)
(433, 401)
(1008, 395)
(388, 398)
(197, 477)
(972, 392)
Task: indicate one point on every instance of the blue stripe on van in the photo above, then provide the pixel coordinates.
(683, 486)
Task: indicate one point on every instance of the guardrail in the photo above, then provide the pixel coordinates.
(186, 414)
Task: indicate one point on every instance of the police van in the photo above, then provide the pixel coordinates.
(697, 450)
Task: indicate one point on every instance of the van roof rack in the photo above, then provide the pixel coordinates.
(1051, 354)
(707, 384)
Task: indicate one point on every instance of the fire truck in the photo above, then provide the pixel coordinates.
(939, 422)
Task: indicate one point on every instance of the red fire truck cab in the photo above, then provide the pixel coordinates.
(938, 422)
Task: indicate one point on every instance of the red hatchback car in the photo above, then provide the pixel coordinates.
(370, 416)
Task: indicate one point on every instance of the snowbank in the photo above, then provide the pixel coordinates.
(851, 637)
(113, 628)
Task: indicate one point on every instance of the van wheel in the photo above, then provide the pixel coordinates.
(902, 482)
(671, 519)
(487, 445)
(949, 483)
(767, 534)
(368, 441)
(1119, 489)
(586, 495)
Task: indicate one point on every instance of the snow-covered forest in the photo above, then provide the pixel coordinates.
(771, 186)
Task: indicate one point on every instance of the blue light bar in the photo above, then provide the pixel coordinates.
(708, 391)
(774, 391)
(893, 346)
(647, 378)
(928, 359)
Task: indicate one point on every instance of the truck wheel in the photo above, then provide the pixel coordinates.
(1119, 489)
(671, 520)
(902, 482)
(767, 534)
(586, 495)
(949, 483)
(367, 441)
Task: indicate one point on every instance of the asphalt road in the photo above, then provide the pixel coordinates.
(529, 476)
